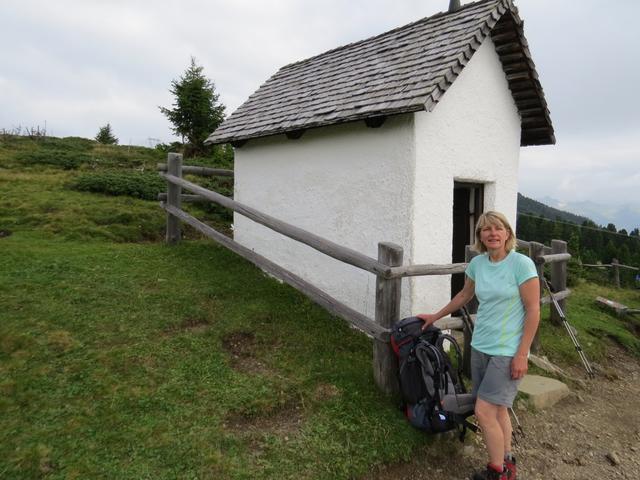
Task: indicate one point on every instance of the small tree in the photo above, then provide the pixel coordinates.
(105, 136)
(196, 111)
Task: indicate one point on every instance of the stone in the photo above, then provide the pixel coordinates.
(542, 392)
(613, 458)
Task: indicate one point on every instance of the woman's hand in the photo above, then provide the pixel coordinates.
(519, 366)
(427, 318)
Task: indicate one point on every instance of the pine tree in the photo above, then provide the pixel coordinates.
(196, 112)
(105, 136)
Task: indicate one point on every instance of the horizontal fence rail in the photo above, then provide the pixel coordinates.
(185, 198)
(546, 300)
(422, 270)
(615, 266)
(553, 258)
(610, 265)
(202, 171)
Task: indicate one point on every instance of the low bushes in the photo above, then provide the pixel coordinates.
(65, 159)
(133, 184)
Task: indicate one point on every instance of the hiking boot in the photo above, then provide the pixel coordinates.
(490, 473)
(510, 467)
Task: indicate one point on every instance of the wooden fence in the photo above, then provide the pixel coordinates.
(388, 267)
(615, 266)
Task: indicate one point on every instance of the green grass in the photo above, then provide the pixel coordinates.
(113, 365)
(596, 327)
(112, 197)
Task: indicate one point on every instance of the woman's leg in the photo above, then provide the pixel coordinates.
(505, 424)
(488, 416)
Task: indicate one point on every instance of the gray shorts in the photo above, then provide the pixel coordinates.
(491, 376)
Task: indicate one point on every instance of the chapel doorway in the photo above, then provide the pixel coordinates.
(468, 205)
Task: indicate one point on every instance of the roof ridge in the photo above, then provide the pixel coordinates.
(394, 30)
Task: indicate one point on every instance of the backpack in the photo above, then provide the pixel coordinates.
(433, 394)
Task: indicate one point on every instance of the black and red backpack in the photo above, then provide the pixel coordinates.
(434, 396)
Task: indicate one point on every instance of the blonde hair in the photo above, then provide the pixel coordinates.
(494, 218)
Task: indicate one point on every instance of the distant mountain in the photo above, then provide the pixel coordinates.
(622, 216)
(529, 206)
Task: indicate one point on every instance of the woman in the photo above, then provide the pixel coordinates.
(508, 291)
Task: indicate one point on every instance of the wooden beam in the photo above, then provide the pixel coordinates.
(355, 318)
(173, 232)
(546, 300)
(506, 36)
(508, 47)
(184, 198)
(427, 269)
(202, 171)
(512, 58)
(375, 122)
(295, 134)
(619, 309)
(528, 94)
(553, 258)
(238, 143)
(559, 259)
(385, 362)
(346, 255)
(528, 103)
(511, 77)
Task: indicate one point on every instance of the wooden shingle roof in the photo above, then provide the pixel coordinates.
(404, 70)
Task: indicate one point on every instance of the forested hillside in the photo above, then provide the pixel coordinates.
(530, 206)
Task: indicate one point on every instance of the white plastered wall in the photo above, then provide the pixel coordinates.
(472, 135)
(347, 183)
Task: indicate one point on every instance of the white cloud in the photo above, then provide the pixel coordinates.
(80, 63)
(603, 169)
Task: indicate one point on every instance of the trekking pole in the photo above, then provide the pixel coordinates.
(518, 428)
(572, 335)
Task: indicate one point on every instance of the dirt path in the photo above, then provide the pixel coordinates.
(592, 435)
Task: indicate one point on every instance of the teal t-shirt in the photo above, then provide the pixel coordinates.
(500, 320)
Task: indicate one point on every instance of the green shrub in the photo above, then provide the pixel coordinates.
(133, 184)
(68, 143)
(58, 158)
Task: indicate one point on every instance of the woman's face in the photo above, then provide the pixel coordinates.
(494, 236)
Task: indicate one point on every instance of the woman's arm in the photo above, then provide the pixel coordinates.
(461, 299)
(530, 294)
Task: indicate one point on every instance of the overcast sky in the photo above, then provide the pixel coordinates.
(78, 64)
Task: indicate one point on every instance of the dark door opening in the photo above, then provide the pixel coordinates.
(468, 200)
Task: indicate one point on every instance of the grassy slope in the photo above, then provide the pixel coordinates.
(117, 360)
(110, 369)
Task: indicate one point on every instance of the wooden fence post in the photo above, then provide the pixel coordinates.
(558, 279)
(535, 250)
(472, 307)
(615, 266)
(385, 364)
(174, 167)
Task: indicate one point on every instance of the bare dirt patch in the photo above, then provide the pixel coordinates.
(195, 325)
(284, 422)
(592, 435)
(241, 347)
